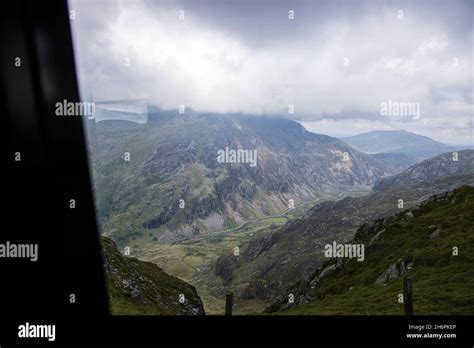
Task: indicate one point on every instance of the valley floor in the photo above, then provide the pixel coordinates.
(190, 259)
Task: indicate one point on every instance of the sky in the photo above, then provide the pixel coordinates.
(333, 63)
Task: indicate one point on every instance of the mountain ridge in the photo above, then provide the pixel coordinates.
(173, 158)
(417, 147)
(418, 242)
(293, 251)
(443, 165)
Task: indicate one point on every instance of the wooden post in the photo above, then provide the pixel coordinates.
(407, 296)
(229, 303)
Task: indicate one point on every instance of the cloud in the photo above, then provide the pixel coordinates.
(332, 62)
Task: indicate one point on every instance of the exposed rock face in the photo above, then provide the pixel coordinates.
(174, 158)
(139, 288)
(376, 237)
(223, 268)
(296, 250)
(260, 246)
(395, 270)
(438, 167)
(327, 270)
(395, 162)
(403, 245)
(300, 290)
(409, 215)
(434, 231)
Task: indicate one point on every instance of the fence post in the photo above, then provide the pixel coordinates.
(229, 303)
(407, 296)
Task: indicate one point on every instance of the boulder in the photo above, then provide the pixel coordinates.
(434, 231)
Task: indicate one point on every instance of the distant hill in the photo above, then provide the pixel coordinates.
(434, 168)
(142, 288)
(418, 243)
(417, 147)
(463, 147)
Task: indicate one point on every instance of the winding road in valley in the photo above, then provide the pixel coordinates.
(243, 224)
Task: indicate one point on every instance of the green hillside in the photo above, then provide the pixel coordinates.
(417, 242)
(142, 288)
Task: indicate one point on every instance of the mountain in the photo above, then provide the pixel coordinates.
(272, 262)
(395, 162)
(142, 288)
(418, 242)
(162, 181)
(416, 147)
(462, 147)
(444, 165)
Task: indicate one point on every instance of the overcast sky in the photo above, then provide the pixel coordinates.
(336, 61)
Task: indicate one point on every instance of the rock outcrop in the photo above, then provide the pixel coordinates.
(141, 288)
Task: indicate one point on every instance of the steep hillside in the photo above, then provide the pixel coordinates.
(270, 263)
(417, 147)
(161, 181)
(433, 243)
(438, 167)
(142, 288)
(395, 162)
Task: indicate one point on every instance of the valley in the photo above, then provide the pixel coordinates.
(294, 158)
(257, 229)
(191, 257)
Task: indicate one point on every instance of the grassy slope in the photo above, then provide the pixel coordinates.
(159, 292)
(182, 260)
(442, 283)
